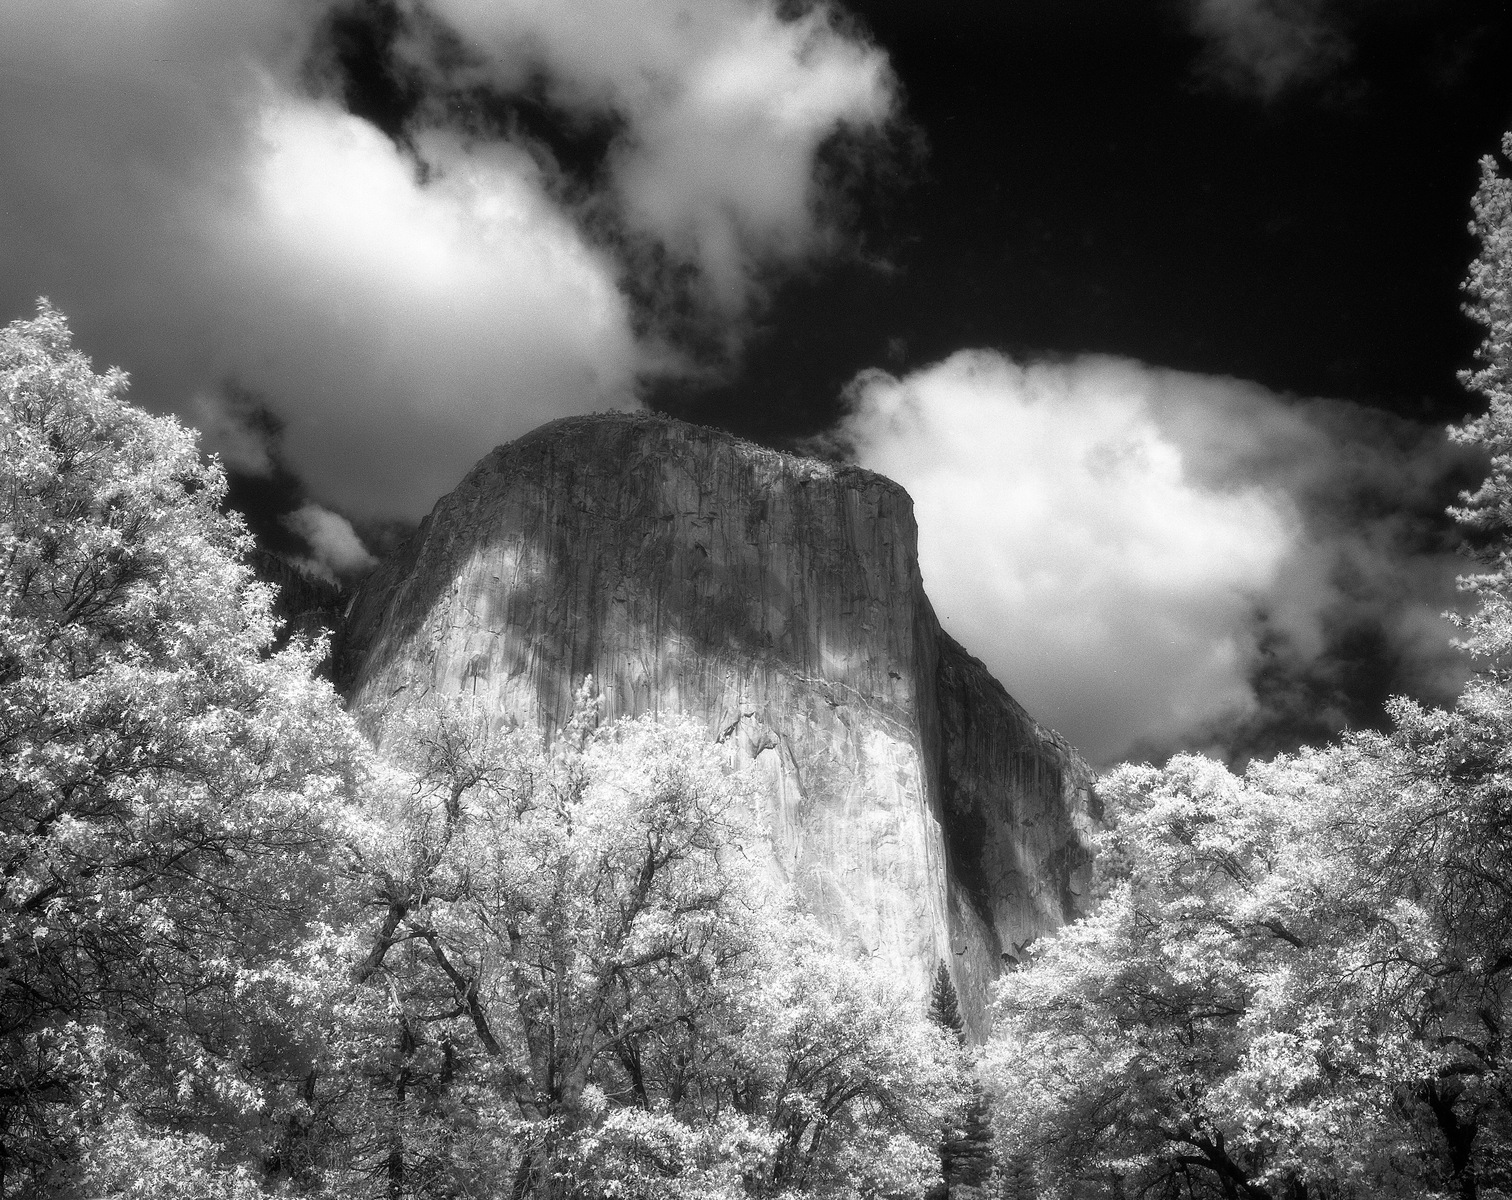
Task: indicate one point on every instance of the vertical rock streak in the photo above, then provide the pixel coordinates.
(915, 806)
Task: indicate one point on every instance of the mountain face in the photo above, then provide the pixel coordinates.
(914, 805)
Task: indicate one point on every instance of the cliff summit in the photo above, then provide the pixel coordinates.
(913, 804)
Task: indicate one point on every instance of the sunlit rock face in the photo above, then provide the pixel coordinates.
(913, 804)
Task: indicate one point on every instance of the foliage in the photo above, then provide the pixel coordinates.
(945, 1004)
(1487, 512)
(1228, 1016)
(168, 791)
(548, 918)
(241, 954)
(122, 1158)
(967, 1158)
(859, 1079)
(576, 942)
(1295, 983)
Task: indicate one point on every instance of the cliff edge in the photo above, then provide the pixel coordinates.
(916, 807)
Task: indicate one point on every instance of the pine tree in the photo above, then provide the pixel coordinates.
(966, 1151)
(1014, 1179)
(945, 1005)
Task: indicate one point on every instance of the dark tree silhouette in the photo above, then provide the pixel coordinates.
(966, 1150)
(945, 1005)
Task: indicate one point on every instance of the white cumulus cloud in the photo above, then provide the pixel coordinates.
(337, 550)
(1116, 540)
(205, 223)
(177, 181)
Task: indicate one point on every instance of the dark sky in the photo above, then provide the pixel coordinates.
(1152, 304)
(1087, 185)
(1079, 175)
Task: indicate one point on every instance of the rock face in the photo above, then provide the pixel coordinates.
(916, 807)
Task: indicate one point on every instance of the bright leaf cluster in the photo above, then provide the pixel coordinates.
(169, 790)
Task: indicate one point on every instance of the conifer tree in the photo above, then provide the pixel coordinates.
(945, 1004)
(966, 1151)
(1014, 1179)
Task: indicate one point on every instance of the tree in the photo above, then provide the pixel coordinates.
(240, 953)
(945, 1005)
(966, 1149)
(1487, 512)
(1236, 1016)
(170, 793)
(853, 1080)
(1296, 983)
(575, 946)
(551, 919)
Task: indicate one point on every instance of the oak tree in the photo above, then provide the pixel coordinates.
(574, 951)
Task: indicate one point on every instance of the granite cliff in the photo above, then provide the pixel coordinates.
(916, 806)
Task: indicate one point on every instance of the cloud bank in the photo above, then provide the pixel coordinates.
(181, 181)
(1151, 559)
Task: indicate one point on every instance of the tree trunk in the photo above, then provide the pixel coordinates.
(393, 1167)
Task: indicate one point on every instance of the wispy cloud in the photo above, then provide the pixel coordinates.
(723, 105)
(236, 426)
(337, 550)
(1264, 47)
(1151, 559)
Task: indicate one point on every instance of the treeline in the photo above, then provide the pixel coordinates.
(241, 954)
(1295, 983)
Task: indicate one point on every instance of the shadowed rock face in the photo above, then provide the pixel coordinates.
(914, 804)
